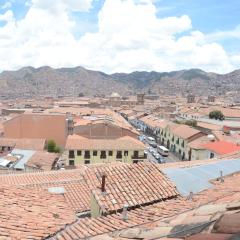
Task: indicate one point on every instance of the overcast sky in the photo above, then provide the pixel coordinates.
(121, 35)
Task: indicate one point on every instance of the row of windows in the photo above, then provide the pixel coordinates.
(103, 154)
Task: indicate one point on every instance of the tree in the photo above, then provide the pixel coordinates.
(192, 123)
(51, 146)
(216, 114)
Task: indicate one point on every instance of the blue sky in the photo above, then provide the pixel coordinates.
(217, 20)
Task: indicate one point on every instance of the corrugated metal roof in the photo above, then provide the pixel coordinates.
(25, 155)
(195, 179)
(4, 162)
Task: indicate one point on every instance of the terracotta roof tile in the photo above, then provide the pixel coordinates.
(184, 131)
(150, 215)
(126, 142)
(221, 147)
(42, 160)
(27, 213)
(24, 143)
(77, 192)
(129, 184)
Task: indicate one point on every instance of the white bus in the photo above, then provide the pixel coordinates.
(163, 151)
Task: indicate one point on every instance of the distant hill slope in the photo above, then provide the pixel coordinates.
(47, 81)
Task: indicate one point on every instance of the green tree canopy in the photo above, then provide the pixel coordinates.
(52, 147)
(192, 123)
(216, 114)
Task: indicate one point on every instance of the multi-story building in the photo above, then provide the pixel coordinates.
(176, 137)
(38, 125)
(80, 150)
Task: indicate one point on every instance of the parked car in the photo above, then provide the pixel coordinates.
(153, 144)
(151, 150)
(163, 160)
(157, 156)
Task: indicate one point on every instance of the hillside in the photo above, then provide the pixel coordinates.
(47, 81)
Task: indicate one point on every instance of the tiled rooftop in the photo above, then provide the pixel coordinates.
(133, 185)
(77, 192)
(125, 183)
(42, 160)
(154, 215)
(24, 143)
(30, 214)
(126, 142)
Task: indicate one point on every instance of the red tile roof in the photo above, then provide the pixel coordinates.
(30, 214)
(151, 215)
(123, 143)
(135, 185)
(42, 160)
(24, 143)
(184, 131)
(222, 147)
(131, 184)
(77, 192)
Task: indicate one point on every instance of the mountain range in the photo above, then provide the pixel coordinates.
(46, 81)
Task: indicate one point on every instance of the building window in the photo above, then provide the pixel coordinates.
(71, 154)
(94, 153)
(135, 161)
(87, 162)
(103, 154)
(71, 162)
(79, 153)
(110, 153)
(87, 154)
(125, 153)
(119, 154)
(135, 154)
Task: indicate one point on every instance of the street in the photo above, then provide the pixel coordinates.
(170, 158)
(151, 158)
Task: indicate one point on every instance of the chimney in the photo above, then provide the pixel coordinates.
(124, 213)
(221, 176)
(190, 196)
(103, 185)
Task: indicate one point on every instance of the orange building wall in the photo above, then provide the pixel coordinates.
(37, 126)
(103, 131)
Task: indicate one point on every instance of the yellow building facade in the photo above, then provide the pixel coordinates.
(80, 150)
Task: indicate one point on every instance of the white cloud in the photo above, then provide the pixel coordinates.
(72, 5)
(7, 16)
(7, 5)
(222, 35)
(130, 37)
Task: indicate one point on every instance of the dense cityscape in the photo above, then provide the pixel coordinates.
(118, 167)
(119, 120)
